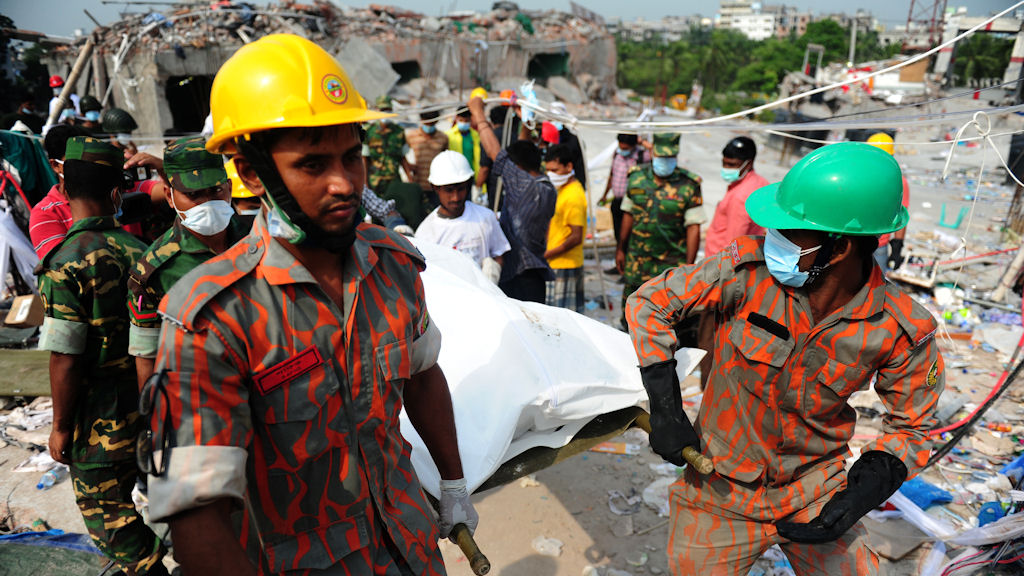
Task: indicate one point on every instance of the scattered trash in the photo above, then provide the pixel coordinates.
(656, 495)
(623, 527)
(547, 546)
(623, 448)
(636, 559)
(621, 505)
(39, 462)
(924, 494)
(52, 476)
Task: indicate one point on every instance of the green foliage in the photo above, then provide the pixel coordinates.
(982, 56)
(725, 61)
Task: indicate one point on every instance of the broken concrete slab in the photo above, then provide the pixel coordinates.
(369, 70)
(566, 91)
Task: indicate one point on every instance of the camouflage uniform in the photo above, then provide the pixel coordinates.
(82, 285)
(384, 147)
(775, 418)
(283, 400)
(661, 213)
(190, 168)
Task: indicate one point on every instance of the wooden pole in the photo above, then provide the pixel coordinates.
(76, 71)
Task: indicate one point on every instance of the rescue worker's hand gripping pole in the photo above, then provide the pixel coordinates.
(672, 435)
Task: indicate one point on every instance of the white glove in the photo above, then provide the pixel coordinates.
(491, 269)
(404, 230)
(455, 507)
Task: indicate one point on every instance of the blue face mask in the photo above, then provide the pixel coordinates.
(663, 166)
(429, 128)
(624, 152)
(558, 126)
(463, 126)
(732, 174)
(92, 116)
(783, 258)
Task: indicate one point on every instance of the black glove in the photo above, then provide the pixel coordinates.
(871, 481)
(895, 253)
(671, 430)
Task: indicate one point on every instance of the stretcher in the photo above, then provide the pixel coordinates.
(600, 429)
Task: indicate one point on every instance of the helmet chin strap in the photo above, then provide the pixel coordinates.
(821, 259)
(308, 233)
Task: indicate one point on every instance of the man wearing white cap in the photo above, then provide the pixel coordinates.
(458, 224)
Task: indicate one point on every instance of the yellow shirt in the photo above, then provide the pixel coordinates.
(570, 210)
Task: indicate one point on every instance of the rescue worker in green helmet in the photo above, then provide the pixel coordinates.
(119, 124)
(806, 319)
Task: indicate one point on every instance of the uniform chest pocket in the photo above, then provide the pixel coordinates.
(758, 345)
(394, 361)
(836, 382)
(294, 389)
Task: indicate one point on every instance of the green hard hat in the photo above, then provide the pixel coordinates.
(117, 121)
(89, 104)
(190, 168)
(847, 188)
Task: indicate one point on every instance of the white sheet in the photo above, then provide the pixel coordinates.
(521, 374)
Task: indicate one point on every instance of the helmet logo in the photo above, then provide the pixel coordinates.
(334, 89)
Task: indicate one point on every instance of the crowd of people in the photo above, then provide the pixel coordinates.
(225, 303)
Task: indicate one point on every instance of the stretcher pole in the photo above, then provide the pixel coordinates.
(700, 463)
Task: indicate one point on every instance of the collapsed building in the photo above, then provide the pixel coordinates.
(160, 65)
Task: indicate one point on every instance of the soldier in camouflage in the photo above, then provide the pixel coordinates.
(661, 217)
(95, 396)
(385, 149)
(206, 225)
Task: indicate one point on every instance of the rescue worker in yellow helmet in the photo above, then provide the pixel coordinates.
(285, 361)
(889, 254)
(247, 205)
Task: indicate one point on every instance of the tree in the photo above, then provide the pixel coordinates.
(982, 56)
(829, 34)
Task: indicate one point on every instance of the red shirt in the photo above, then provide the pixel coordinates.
(49, 222)
(731, 220)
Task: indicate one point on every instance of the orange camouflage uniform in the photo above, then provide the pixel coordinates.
(281, 399)
(774, 417)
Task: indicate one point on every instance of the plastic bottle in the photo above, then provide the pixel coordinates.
(52, 476)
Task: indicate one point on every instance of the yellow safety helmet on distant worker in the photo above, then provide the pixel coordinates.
(238, 189)
(281, 81)
(883, 141)
(478, 92)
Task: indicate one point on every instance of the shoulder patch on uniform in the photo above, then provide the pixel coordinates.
(933, 374)
(381, 237)
(745, 249)
(199, 286)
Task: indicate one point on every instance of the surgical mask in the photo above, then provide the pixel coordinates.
(622, 152)
(558, 126)
(123, 139)
(663, 166)
(206, 219)
(559, 180)
(732, 174)
(26, 111)
(92, 116)
(783, 258)
(254, 212)
(463, 126)
(57, 91)
(429, 128)
(118, 212)
(61, 173)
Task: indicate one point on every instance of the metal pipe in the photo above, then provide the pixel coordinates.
(76, 71)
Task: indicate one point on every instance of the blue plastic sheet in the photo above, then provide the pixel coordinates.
(53, 538)
(924, 494)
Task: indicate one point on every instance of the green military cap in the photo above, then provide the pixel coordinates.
(190, 168)
(88, 149)
(666, 145)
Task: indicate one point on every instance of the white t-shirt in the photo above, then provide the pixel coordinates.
(476, 233)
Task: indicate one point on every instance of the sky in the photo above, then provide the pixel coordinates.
(62, 17)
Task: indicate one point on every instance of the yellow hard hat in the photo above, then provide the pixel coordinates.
(281, 81)
(238, 189)
(478, 92)
(883, 141)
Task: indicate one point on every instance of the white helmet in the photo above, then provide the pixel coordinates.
(449, 167)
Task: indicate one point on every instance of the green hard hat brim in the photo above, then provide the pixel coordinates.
(765, 211)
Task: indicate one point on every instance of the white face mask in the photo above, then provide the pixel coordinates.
(252, 212)
(206, 219)
(559, 180)
(123, 139)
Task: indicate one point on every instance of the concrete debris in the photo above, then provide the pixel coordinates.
(565, 90)
(367, 69)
